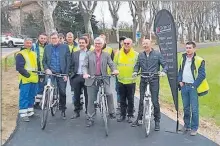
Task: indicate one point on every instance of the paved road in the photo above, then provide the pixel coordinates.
(6, 50)
(74, 133)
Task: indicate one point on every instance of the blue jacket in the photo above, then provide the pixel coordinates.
(64, 56)
(201, 71)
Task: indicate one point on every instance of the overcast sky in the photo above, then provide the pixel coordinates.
(124, 13)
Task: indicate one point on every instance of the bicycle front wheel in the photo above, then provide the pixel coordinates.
(55, 105)
(147, 117)
(104, 113)
(45, 110)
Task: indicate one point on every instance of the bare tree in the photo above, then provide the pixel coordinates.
(133, 9)
(87, 9)
(102, 22)
(48, 8)
(113, 8)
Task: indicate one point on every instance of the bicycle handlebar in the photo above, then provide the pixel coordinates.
(53, 74)
(150, 74)
(101, 76)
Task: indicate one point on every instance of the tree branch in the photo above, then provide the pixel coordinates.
(93, 7)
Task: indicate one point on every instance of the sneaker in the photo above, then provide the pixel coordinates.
(89, 123)
(25, 119)
(75, 115)
(184, 129)
(193, 133)
(157, 126)
(112, 116)
(136, 123)
(30, 114)
(121, 118)
(63, 115)
(129, 119)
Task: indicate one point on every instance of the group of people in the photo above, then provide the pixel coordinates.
(82, 60)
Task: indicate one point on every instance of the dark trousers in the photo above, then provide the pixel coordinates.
(78, 84)
(126, 92)
(154, 89)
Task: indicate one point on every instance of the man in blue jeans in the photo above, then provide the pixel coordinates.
(193, 83)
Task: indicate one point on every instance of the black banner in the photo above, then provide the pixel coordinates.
(165, 30)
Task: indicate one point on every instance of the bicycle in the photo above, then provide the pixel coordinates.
(101, 102)
(51, 97)
(148, 106)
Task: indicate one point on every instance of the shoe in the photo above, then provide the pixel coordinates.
(129, 119)
(112, 116)
(37, 106)
(184, 129)
(136, 123)
(193, 133)
(30, 114)
(75, 115)
(25, 119)
(63, 115)
(157, 126)
(89, 123)
(121, 118)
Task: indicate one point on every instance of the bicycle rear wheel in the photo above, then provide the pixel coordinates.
(104, 114)
(55, 105)
(45, 110)
(147, 117)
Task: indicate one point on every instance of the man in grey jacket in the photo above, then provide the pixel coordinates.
(96, 63)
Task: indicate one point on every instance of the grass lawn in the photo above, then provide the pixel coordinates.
(209, 104)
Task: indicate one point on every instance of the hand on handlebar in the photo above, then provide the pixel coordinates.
(134, 74)
(115, 72)
(162, 74)
(86, 76)
(65, 78)
(48, 71)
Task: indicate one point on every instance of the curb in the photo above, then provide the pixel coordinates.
(13, 133)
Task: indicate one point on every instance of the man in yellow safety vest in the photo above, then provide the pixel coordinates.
(193, 83)
(26, 62)
(125, 61)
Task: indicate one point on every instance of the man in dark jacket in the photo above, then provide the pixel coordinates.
(56, 60)
(150, 60)
(76, 79)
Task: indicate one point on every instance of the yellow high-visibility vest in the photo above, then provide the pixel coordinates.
(204, 86)
(125, 64)
(30, 65)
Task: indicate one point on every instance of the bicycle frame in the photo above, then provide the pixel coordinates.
(51, 87)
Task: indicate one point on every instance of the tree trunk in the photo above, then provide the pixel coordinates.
(203, 34)
(214, 33)
(182, 34)
(134, 29)
(190, 34)
(88, 26)
(48, 21)
(116, 30)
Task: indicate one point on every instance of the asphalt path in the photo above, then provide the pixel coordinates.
(70, 132)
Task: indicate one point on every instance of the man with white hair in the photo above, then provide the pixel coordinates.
(96, 63)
